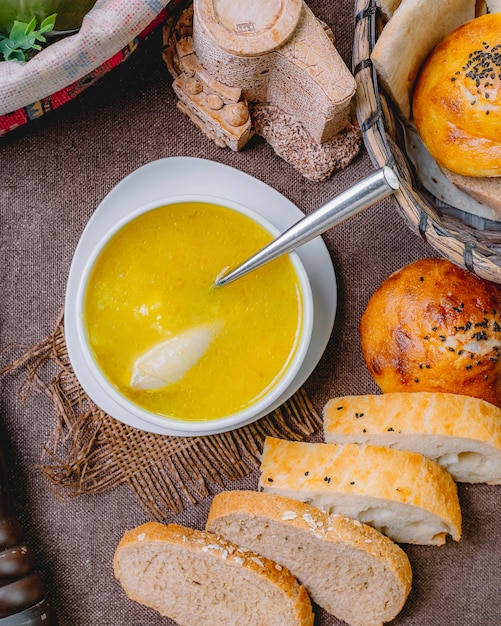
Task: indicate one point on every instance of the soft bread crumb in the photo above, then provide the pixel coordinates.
(350, 570)
(196, 578)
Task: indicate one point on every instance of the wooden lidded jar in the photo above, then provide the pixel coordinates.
(278, 52)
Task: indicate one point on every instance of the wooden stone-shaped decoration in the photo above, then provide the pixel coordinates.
(231, 58)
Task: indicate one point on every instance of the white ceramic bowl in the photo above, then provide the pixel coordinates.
(101, 388)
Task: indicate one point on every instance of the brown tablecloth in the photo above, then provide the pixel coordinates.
(54, 172)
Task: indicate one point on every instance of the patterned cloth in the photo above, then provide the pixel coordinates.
(110, 32)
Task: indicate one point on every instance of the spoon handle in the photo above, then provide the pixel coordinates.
(359, 196)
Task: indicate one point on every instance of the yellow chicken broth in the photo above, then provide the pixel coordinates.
(155, 279)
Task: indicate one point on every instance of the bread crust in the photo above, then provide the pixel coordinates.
(413, 30)
(377, 475)
(456, 104)
(483, 189)
(433, 326)
(448, 425)
(234, 511)
(206, 545)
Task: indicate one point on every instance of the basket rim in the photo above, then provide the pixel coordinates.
(459, 244)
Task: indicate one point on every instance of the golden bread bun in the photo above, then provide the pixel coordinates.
(432, 326)
(457, 99)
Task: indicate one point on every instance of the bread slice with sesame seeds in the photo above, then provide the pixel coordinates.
(197, 578)
(350, 569)
(461, 433)
(403, 494)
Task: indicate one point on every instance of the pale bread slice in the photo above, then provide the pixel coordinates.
(387, 7)
(197, 578)
(350, 569)
(493, 6)
(403, 494)
(486, 191)
(412, 32)
(461, 433)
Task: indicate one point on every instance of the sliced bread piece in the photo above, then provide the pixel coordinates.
(403, 494)
(487, 191)
(350, 569)
(197, 578)
(461, 433)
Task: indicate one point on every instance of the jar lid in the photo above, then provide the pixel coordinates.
(248, 28)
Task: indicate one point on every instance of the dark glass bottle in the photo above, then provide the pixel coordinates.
(23, 600)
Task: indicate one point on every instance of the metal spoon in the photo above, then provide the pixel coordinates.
(359, 196)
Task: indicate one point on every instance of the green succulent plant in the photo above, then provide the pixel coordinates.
(24, 39)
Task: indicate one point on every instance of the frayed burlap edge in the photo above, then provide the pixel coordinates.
(90, 452)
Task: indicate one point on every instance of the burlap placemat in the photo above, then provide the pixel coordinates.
(89, 451)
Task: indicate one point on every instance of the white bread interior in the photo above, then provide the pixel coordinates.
(461, 433)
(350, 569)
(403, 494)
(387, 7)
(485, 190)
(198, 579)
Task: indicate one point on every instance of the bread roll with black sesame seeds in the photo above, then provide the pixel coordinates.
(456, 104)
(415, 27)
(461, 433)
(433, 326)
(403, 494)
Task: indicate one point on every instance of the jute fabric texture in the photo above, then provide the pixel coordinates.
(54, 173)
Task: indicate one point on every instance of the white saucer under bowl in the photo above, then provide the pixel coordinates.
(187, 176)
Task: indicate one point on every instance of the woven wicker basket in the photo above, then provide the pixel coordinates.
(478, 250)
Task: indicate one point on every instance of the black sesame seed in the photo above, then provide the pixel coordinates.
(270, 480)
